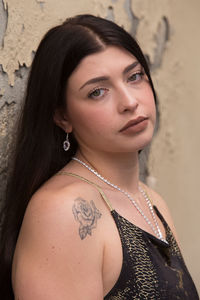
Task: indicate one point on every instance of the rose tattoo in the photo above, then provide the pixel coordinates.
(87, 215)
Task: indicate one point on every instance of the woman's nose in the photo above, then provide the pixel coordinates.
(127, 100)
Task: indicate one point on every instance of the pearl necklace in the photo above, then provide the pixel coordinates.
(155, 228)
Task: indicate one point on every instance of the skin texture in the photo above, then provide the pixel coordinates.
(69, 246)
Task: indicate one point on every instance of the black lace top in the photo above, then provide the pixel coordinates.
(151, 269)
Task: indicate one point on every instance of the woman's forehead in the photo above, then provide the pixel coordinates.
(100, 63)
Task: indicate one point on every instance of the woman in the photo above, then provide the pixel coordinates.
(79, 224)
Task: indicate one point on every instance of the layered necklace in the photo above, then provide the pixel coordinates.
(155, 227)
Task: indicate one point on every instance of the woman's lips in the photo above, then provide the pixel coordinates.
(136, 125)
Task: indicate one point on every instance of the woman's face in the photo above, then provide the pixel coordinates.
(110, 103)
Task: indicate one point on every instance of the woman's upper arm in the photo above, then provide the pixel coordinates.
(51, 260)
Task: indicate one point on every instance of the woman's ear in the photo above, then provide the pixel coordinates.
(62, 120)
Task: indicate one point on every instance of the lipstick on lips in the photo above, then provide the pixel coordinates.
(136, 125)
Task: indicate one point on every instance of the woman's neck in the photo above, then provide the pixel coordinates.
(120, 169)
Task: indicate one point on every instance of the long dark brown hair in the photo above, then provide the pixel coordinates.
(38, 152)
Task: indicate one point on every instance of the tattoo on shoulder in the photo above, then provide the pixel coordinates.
(86, 214)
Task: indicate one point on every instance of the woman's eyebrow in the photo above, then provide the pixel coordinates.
(105, 78)
(95, 80)
(130, 67)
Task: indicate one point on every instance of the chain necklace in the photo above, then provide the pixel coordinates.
(155, 228)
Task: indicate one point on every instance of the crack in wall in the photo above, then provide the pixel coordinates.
(162, 36)
(132, 17)
(3, 21)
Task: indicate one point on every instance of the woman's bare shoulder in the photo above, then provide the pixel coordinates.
(60, 192)
(60, 236)
(63, 203)
(156, 199)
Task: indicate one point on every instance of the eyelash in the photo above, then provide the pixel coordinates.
(91, 94)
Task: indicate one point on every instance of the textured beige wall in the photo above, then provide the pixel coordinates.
(167, 30)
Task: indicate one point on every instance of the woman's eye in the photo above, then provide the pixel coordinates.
(97, 93)
(136, 76)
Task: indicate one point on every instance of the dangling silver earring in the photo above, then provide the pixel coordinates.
(66, 143)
